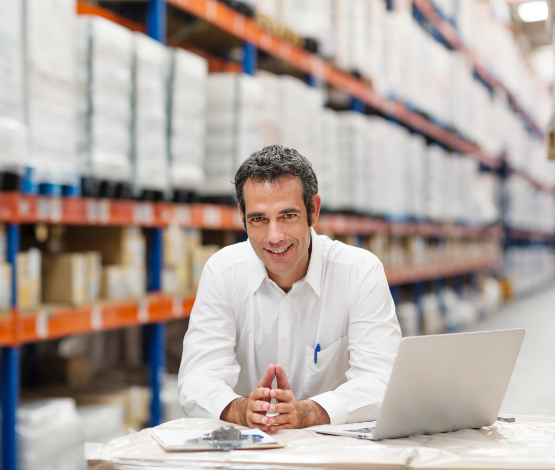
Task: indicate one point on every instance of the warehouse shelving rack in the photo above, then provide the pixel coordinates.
(156, 309)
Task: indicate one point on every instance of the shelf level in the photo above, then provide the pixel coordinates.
(427, 273)
(48, 323)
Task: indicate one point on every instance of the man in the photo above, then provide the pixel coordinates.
(289, 307)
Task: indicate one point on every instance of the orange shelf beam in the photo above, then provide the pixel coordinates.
(51, 323)
(246, 29)
(86, 8)
(426, 273)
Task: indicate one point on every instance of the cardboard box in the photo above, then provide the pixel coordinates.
(64, 278)
(113, 285)
(28, 265)
(5, 288)
(174, 246)
(93, 260)
(200, 257)
(124, 246)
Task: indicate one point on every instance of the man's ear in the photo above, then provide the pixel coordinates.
(316, 205)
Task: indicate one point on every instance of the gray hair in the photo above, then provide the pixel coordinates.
(272, 163)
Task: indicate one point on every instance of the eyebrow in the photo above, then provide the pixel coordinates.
(293, 210)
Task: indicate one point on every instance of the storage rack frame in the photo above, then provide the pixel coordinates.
(156, 309)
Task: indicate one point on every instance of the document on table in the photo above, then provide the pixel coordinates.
(180, 440)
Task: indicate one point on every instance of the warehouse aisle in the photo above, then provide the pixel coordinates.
(532, 386)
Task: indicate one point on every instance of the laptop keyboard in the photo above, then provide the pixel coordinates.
(361, 430)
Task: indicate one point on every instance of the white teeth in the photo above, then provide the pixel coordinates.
(278, 251)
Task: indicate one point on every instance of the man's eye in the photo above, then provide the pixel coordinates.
(256, 219)
(290, 216)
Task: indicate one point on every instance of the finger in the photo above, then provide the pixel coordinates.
(258, 419)
(260, 394)
(260, 406)
(266, 381)
(281, 377)
(282, 407)
(282, 395)
(280, 419)
(281, 427)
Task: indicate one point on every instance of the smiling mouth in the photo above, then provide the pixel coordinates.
(280, 251)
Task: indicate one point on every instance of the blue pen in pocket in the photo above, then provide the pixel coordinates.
(316, 351)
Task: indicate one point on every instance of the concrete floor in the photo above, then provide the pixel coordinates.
(532, 387)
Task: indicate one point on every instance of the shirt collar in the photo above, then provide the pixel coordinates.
(313, 275)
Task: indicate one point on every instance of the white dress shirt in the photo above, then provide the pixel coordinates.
(242, 322)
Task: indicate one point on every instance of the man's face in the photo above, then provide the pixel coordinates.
(277, 226)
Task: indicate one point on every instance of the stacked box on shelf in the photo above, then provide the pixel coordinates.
(271, 125)
(373, 66)
(233, 131)
(529, 268)
(48, 435)
(13, 131)
(151, 60)
(187, 120)
(28, 269)
(50, 90)
(71, 277)
(104, 60)
(435, 157)
(416, 176)
(123, 253)
(307, 18)
(176, 275)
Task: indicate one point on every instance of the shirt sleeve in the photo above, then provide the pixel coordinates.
(374, 338)
(209, 370)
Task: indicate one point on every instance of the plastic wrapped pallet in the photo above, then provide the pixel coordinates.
(49, 436)
(187, 115)
(233, 131)
(407, 313)
(434, 176)
(101, 422)
(307, 18)
(51, 87)
(416, 176)
(150, 143)
(104, 61)
(272, 128)
(327, 174)
(13, 131)
(373, 66)
(170, 398)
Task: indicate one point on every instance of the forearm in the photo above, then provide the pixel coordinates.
(236, 412)
(313, 414)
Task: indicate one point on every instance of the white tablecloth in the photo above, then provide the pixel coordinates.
(529, 443)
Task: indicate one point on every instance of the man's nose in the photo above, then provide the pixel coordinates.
(275, 234)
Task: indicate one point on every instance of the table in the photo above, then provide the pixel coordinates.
(529, 443)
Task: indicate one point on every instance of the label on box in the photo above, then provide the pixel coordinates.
(98, 212)
(212, 217)
(96, 318)
(143, 213)
(41, 324)
(177, 306)
(142, 311)
(49, 209)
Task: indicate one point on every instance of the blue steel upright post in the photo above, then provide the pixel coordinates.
(250, 58)
(156, 333)
(9, 368)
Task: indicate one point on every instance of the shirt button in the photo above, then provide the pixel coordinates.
(284, 340)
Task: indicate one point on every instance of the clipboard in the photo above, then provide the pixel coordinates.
(200, 440)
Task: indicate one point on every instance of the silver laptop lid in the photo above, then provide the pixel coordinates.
(449, 382)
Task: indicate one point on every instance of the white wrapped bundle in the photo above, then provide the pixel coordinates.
(100, 422)
(51, 97)
(49, 436)
(13, 132)
(350, 144)
(329, 163)
(373, 66)
(307, 18)
(393, 173)
(104, 61)
(234, 131)
(434, 186)
(272, 132)
(187, 119)
(416, 176)
(150, 143)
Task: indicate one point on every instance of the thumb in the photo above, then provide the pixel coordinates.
(266, 381)
(282, 382)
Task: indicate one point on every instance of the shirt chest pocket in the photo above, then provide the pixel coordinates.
(329, 370)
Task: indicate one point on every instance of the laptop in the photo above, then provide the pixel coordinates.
(442, 383)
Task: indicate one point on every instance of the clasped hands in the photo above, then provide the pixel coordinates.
(293, 413)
